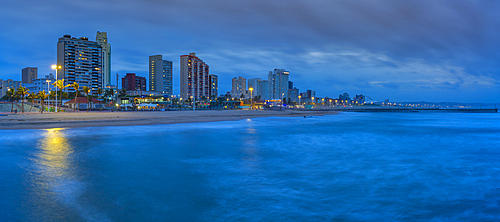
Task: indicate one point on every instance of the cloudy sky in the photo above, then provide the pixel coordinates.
(402, 50)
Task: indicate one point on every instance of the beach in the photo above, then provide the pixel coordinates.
(93, 119)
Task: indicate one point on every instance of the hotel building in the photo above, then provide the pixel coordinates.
(102, 39)
(160, 75)
(80, 61)
(132, 82)
(278, 84)
(239, 87)
(214, 86)
(194, 77)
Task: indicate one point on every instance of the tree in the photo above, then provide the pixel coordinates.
(11, 93)
(60, 85)
(86, 90)
(76, 86)
(289, 101)
(99, 92)
(32, 96)
(123, 93)
(42, 97)
(283, 101)
(21, 91)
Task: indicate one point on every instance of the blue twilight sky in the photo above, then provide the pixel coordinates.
(404, 50)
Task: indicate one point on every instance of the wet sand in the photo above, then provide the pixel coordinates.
(93, 119)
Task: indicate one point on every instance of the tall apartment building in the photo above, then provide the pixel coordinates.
(239, 87)
(160, 75)
(132, 82)
(263, 89)
(28, 74)
(102, 39)
(194, 77)
(80, 61)
(214, 86)
(278, 84)
(254, 83)
(8, 84)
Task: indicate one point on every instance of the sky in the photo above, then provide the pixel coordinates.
(402, 50)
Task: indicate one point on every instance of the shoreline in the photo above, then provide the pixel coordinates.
(137, 118)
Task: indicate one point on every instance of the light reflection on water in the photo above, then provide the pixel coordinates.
(56, 180)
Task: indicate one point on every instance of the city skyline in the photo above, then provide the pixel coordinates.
(403, 51)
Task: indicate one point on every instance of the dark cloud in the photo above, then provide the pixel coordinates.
(366, 46)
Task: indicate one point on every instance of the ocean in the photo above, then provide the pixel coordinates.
(345, 167)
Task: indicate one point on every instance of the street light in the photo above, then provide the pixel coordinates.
(194, 102)
(251, 96)
(312, 98)
(56, 67)
(299, 100)
(48, 82)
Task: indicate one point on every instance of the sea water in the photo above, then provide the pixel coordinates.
(345, 167)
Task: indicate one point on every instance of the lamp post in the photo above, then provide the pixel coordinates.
(251, 97)
(194, 102)
(312, 100)
(48, 91)
(299, 100)
(56, 67)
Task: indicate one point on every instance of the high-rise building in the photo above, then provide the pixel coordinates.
(214, 86)
(278, 84)
(102, 39)
(28, 74)
(263, 89)
(293, 94)
(160, 75)
(132, 82)
(194, 77)
(239, 87)
(80, 61)
(254, 83)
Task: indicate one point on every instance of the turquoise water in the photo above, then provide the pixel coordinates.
(346, 167)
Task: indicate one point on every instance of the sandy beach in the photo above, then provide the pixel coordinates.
(92, 119)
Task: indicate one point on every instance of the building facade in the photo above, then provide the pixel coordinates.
(133, 82)
(160, 75)
(80, 61)
(214, 86)
(102, 39)
(263, 89)
(194, 77)
(41, 84)
(239, 87)
(278, 84)
(8, 84)
(28, 74)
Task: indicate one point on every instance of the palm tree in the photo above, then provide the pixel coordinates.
(123, 93)
(60, 85)
(42, 97)
(86, 90)
(32, 96)
(99, 93)
(76, 86)
(11, 93)
(22, 92)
